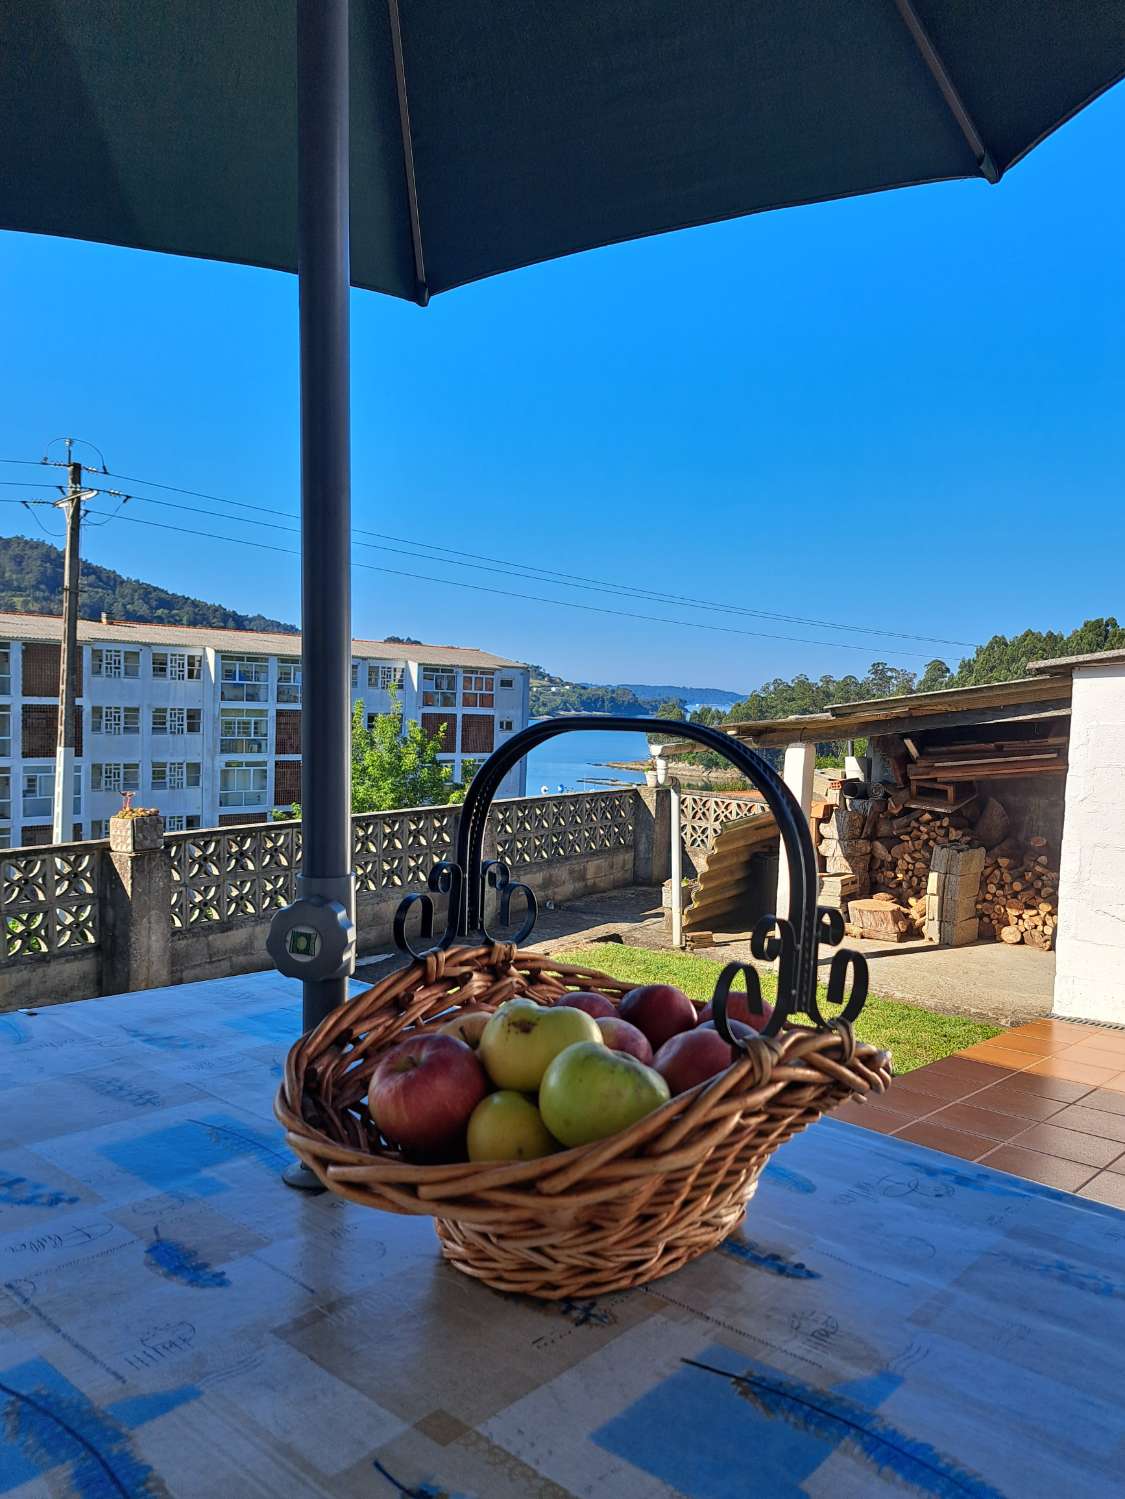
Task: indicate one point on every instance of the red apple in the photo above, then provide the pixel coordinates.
(692, 1057)
(738, 1008)
(594, 1004)
(659, 1010)
(619, 1035)
(738, 1028)
(423, 1090)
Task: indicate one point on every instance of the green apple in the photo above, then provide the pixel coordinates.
(506, 1126)
(589, 1092)
(523, 1038)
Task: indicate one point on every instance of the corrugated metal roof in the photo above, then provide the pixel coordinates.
(1068, 663)
(875, 715)
(265, 643)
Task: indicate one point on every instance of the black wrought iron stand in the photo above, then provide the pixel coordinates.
(793, 939)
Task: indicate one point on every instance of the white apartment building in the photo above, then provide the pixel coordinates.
(205, 725)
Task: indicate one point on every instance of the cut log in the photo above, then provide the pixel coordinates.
(1011, 934)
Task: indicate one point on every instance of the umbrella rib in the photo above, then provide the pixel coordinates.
(422, 294)
(932, 58)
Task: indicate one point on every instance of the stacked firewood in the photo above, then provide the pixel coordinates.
(1019, 895)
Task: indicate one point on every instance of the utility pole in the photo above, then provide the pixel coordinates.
(71, 504)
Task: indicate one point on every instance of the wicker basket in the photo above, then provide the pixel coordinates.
(599, 1218)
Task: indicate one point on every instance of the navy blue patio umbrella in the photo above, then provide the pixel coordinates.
(411, 146)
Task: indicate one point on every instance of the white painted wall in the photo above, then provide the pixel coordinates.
(1090, 959)
(797, 773)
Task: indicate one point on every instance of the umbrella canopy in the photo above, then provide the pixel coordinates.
(486, 136)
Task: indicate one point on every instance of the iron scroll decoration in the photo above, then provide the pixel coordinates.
(793, 940)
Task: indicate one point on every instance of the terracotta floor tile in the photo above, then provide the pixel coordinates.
(1115, 1084)
(972, 1070)
(1105, 1187)
(951, 1141)
(1022, 1039)
(1092, 1122)
(1048, 1027)
(998, 1055)
(1068, 1176)
(1073, 1072)
(943, 1087)
(1093, 1053)
(1021, 1103)
(1059, 1089)
(987, 1123)
(870, 1116)
(1068, 1144)
(1104, 1099)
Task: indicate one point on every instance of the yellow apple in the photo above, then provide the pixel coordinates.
(506, 1126)
(590, 1092)
(522, 1039)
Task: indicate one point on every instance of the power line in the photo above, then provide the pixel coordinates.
(265, 546)
(533, 572)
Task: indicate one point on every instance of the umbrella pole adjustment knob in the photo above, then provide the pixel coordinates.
(314, 936)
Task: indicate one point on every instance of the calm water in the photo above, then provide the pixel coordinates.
(573, 760)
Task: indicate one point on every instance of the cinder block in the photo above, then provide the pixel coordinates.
(842, 825)
(952, 933)
(951, 859)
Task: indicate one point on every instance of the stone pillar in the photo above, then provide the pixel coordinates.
(652, 835)
(1090, 958)
(797, 773)
(952, 889)
(136, 906)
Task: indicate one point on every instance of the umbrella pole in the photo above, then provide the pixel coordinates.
(314, 938)
(324, 278)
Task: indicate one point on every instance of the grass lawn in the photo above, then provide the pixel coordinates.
(913, 1035)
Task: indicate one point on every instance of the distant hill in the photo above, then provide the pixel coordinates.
(713, 697)
(31, 582)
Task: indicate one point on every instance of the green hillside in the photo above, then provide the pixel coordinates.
(31, 582)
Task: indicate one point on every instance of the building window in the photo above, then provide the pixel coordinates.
(38, 792)
(5, 730)
(355, 676)
(177, 720)
(5, 796)
(507, 683)
(506, 726)
(99, 828)
(112, 661)
(477, 690)
(243, 733)
(115, 777)
(385, 678)
(289, 681)
(245, 679)
(5, 669)
(177, 666)
(243, 784)
(174, 775)
(177, 822)
(439, 688)
(76, 805)
(115, 720)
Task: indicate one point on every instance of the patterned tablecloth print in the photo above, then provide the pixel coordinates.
(174, 1321)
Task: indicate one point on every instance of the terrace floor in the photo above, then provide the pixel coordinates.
(987, 981)
(1045, 1101)
(174, 1321)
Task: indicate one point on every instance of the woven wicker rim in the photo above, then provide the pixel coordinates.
(321, 1101)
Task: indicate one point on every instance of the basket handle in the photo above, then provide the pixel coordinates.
(793, 939)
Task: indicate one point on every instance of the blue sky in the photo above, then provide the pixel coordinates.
(901, 411)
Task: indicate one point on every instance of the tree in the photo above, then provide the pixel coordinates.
(392, 768)
(671, 707)
(936, 676)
